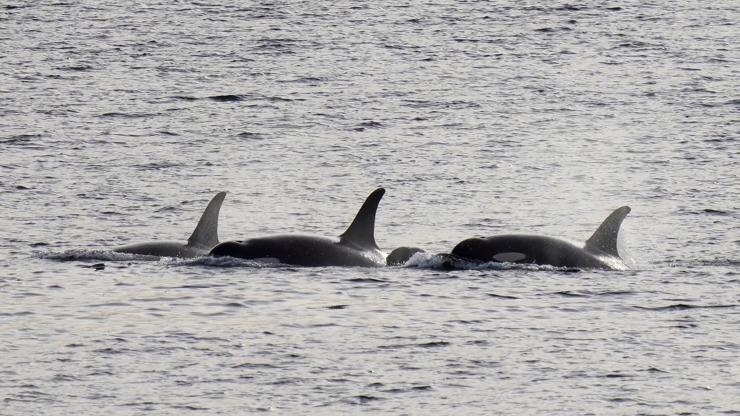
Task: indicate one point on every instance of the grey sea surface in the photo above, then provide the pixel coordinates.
(119, 121)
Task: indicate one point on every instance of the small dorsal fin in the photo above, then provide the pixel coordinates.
(206, 232)
(604, 239)
(361, 233)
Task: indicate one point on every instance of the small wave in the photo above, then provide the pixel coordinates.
(82, 254)
(156, 166)
(127, 115)
(228, 98)
(683, 307)
(448, 262)
(588, 293)
(362, 399)
(21, 313)
(20, 138)
(366, 280)
(431, 344)
(228, 262)
(250, 135)
(493, 295)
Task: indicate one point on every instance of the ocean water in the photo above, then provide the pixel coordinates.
(118, 122)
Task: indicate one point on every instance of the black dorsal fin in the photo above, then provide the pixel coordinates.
(206, 232)
(361, 233)
(604, 239)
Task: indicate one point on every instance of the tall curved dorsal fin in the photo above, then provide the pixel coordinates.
(604, 239)
(361, 233)
(206, 232)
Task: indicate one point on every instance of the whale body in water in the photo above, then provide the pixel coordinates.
(599, 252)
(201, 241)
(356, 246)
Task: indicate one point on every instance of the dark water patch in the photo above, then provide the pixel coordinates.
(621, 400)
(31, 396)
(98, 305)
(282, 44)
(21, 313)
(369, 124)
(362, 399)
(452, 105)
(112, 351)
(493, 295)
(250, 135)
(19, 139)
(588, 293)
(228, 98)
(157, 166)
(96, 266)
(255, 366)
(654, 370)
(196, 286)
(76, 68)
(715, 211)
(39, 244)
(162, 299)
(617, 375)
(128, 115)
(286, 381)
(64, 378)
(185, 98)
(366, 280)
(281, 99)
(683, 307)
(145, 405)
(569, 294)
(569, 8)
(432, 344)
(189, 407)
(693, 264)
(410, 389)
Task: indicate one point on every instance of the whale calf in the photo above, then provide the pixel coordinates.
(356, 246)
(203, 239)
(401, 255)
(599, 252)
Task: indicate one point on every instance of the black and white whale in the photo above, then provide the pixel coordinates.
(356, 247)
(599, 252)
(401, 255)
(203, 239)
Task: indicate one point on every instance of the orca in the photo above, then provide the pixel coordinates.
(599, 252)
(401, 255)
(356, 246)
(203, 239)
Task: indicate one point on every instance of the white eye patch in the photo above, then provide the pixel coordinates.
(509, 257)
